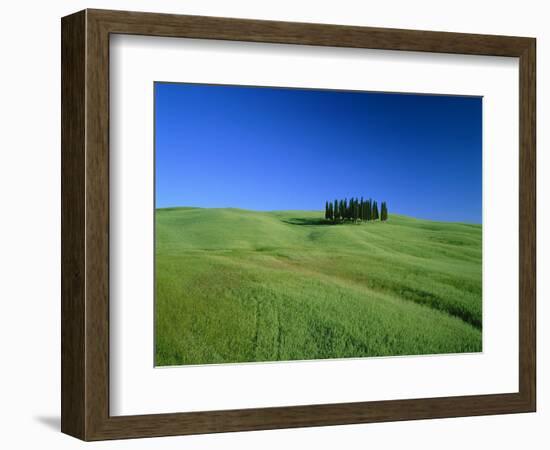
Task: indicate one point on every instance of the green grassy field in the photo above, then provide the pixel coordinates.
(234, 285)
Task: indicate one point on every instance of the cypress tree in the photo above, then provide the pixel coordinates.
(384, 212)
(356, 209)
(346, 209)
(369, 209)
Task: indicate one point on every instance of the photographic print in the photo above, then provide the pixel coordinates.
(307, 224)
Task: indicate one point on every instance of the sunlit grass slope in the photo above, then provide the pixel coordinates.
(235, 285)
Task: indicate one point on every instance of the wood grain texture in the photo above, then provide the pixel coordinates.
(97, 226)
(85, 224)
(152, 24)
(72, 224)
(527, 224)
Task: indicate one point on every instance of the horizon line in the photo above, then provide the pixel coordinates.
(311, 210)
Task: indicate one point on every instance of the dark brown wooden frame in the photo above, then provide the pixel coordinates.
(85, 224)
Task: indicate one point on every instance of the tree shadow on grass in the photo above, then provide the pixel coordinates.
(309, 221)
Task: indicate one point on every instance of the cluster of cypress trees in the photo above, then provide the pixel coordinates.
(355, 209)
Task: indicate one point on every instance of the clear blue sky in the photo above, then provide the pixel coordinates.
(275, 148)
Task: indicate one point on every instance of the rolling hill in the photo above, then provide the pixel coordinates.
(235, 285)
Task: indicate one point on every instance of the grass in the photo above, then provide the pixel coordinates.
(238, 286)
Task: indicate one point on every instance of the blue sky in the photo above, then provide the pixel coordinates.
(275, 148)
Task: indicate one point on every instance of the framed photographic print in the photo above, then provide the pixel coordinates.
(272, 225)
